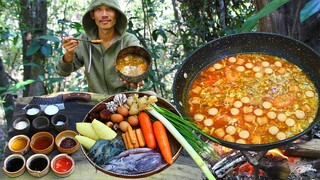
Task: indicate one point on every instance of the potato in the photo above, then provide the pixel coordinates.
(102, 130)
(123, 111)
(86, 129)
(124, 126)
(116, 118)
(133, 120)
(85, 141)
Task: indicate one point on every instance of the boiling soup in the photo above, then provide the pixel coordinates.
(252, 99)
(132, 65)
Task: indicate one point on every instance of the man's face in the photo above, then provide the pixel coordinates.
(104, 16)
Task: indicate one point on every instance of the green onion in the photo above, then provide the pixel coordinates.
(185, 127)
(189, 141)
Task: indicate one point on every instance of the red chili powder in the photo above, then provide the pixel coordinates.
(62, 164)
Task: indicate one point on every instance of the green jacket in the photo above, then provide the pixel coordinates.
(99, 66)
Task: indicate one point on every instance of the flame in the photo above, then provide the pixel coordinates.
(276, 153)
(248, 168)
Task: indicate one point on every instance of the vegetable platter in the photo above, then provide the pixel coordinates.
(120, 138)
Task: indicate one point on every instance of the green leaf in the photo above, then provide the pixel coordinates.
(46, 50)
(21, 85)
(33, 48)
(309, 9)
(50, 38)
(253, 20)
(155, 35)
(157, 32)
(32, 64)
(3, 88)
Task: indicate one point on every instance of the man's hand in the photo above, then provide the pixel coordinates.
(134, 85)
(70, 45)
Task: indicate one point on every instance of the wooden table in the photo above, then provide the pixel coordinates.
(183, 168)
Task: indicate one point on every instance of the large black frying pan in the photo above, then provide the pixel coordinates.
(292, 50)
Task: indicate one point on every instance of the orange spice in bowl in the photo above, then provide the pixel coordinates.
(19, 144)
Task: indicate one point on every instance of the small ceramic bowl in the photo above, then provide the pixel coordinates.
(38, 165)
(65, 167)
(59, 122)
(14, 165)
(67, 139)
(21, 126)
(133, 64)
(42, 143)
(33, 111)
(40, 123)
(51, 110)
(19, 144)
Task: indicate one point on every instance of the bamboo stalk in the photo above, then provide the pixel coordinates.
(194, 155)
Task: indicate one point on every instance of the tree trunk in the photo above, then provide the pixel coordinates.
(33, 23)
(8, 98)
(286, 21)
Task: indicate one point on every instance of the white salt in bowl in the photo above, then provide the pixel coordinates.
(59, 122)
(33, 111)
(21, 126)
(51, 110)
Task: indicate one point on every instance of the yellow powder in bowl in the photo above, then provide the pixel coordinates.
(18, 144)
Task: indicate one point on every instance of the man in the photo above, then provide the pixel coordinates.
(104, 21)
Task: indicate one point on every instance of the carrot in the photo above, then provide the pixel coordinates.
(130, 145)
(132, 135)
(147, 131)
(140, 137)
(163, 141)
(124, 138)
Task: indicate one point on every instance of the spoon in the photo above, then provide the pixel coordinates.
(97, 41)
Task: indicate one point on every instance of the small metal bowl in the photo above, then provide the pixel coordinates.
(21, 126)
(19, 144)
(62, 171)
(66, 134)
(38, 165)
(42, 143)
(14, 165)
(127, 67)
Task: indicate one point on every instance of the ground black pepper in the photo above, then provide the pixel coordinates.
(68, 143)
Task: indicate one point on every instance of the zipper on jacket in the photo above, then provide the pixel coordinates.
(104, 71)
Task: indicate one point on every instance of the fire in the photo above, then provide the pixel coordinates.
(276, 153)
(248, 168)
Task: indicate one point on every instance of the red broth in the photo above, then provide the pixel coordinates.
(252, 99)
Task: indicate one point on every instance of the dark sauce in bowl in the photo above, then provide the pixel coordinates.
(14, 165)
(68, 143)
(38, 164)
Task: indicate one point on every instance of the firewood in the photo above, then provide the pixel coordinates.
(309, 149)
